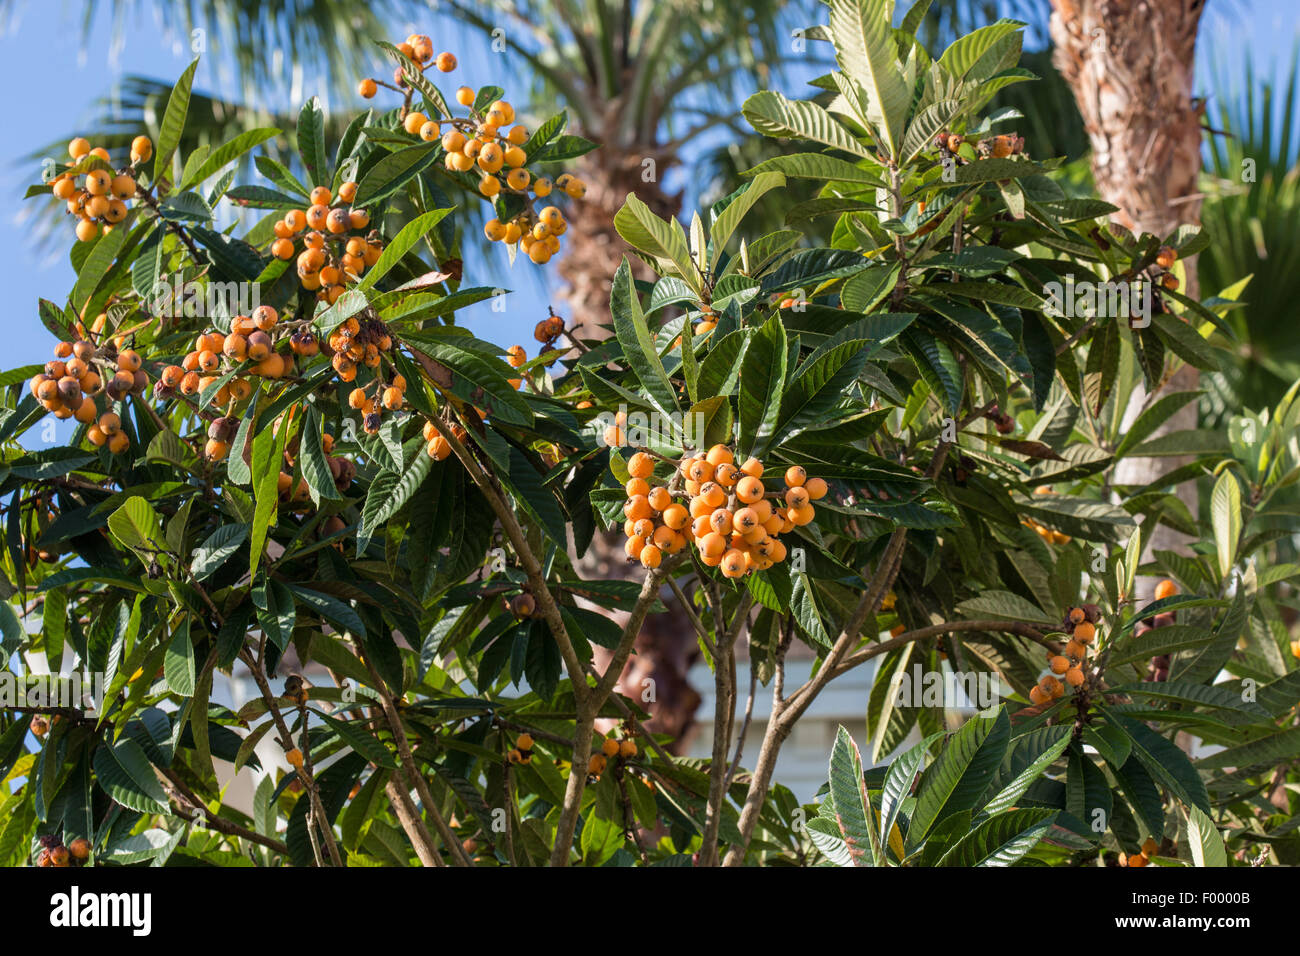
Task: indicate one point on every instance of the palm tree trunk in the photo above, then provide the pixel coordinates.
(595, 247)
(1130, 65)
(666, 647)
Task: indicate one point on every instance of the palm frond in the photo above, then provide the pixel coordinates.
(270, 44)
(622, 69)
(1252, 205)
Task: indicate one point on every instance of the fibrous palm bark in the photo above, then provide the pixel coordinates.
(1130, 65)
(666, 646)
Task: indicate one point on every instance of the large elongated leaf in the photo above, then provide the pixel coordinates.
(311, 141)
(638, 344)
(1004, 604)
(268, 453)
(96, 265)
(1160, 640)
(389, 492)
(233, 258)
(217, 549)
(173, 123)
(1198, 695)
(898, 782)
(535, 498)
(401, 244)
(360, 740)
(665, 241)
(276, 611)
(1151, 419)
(1204, 840)
(476, 379)
(1142, 794)
(123, 771)
(1225, 515)
(730, 218)
(1273, 749)
(853, 811)
(136, 526)
(937, 365)
(966, 51)
(341, 615)
(864, 45)
(773, 115)
(1001, 840)
(178, 663)
(393, 172)
(923, 128)
(720, 370)
(416, 77)
(762, 386)
(314, 462)
(228, 152)
(1054, 745)
(1165, 762)
(819, 386)
(816, 166)
(961, 773)
(864, 291)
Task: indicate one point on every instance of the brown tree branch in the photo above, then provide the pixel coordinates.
(184, 796)
(286, 742)
(532, 567)
(414, 778)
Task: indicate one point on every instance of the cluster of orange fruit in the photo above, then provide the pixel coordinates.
(99, 200)
(221, 432)
(333, 252)
(481, 140)
(1149, 849)
(355, 343)
(250, 346)
(522, 752)
(54, 853)
(548, 330)
(377, 397)
(1081, 624)
(610, 749)
(68, 385)
(729, 512)
(418, 48)
(999, 146)
(438, 448)
(478, 141)
(1165, 260)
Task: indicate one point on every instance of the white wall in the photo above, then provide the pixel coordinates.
(805, 756)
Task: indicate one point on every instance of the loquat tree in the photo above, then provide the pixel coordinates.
(896, 446)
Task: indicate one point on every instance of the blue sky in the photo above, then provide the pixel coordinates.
(50, 91)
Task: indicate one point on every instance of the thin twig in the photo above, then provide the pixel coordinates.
(183, 795)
